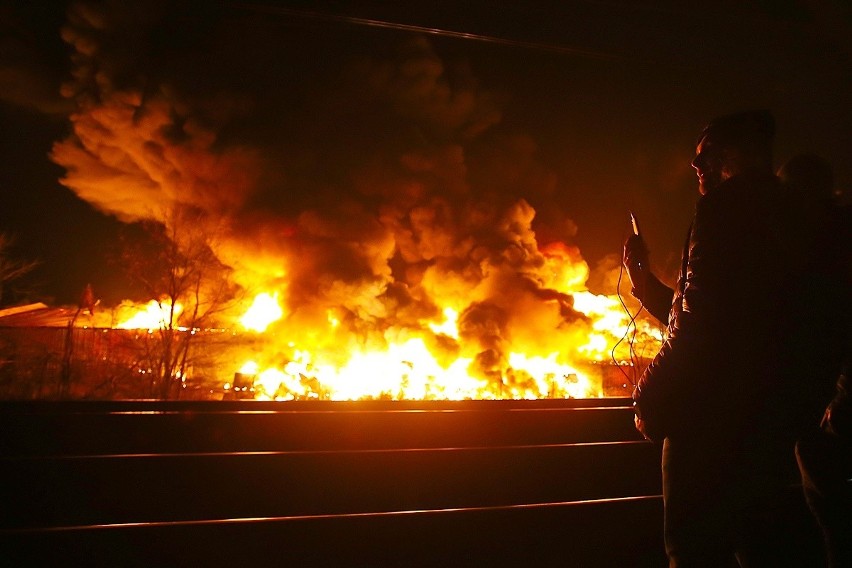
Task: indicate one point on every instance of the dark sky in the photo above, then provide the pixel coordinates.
(260, 112)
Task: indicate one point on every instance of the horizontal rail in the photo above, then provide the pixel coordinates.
(180, 432)
(607, 533)
(56, 491)
(64, 406)
(297, 518)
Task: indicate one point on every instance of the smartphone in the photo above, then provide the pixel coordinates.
(635, 224)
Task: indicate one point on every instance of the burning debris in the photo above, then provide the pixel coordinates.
(368, 247)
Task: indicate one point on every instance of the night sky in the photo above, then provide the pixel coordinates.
(324, 118)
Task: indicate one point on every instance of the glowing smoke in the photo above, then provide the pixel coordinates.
(371, 198)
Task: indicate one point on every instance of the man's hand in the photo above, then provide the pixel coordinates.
(640, 425)
(637, 421)
(635, 256)
(635, 259)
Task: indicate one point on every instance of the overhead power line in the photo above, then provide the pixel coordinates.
(368, 22)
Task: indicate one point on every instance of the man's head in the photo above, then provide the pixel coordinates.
(732, 145)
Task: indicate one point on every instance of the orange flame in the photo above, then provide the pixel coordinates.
(154, 315)
(327, 358)
(264, 311)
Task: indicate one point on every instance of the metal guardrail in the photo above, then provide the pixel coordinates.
(347, 484)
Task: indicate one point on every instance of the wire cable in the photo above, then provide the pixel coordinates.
(369, 22)
(630, 331)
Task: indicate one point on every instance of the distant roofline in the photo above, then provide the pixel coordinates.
(22, 309)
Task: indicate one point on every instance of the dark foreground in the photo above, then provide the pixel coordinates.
(504, 483)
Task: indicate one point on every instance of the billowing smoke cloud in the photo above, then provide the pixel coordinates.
(379, 192)
(140, 147)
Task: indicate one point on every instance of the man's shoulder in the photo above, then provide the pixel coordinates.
(741, 192)
(747, 184)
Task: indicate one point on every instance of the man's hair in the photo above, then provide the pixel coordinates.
(741, 128)
(751, 132)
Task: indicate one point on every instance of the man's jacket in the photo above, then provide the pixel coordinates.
(724, 370)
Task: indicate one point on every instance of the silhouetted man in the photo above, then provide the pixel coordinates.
(716, 393)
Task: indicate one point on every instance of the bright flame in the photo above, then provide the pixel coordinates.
(409, 371)
(553, 379)
(333, 321)
(609, 321)
(155, 315)
(450, 325)
(335, 354)
(405, 363)
(403, 371)
(264, 311)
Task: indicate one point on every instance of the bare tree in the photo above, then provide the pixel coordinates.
(178, 268)
(11, 269)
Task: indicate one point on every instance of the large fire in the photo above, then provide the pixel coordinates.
(430, 363)
(373, 234)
